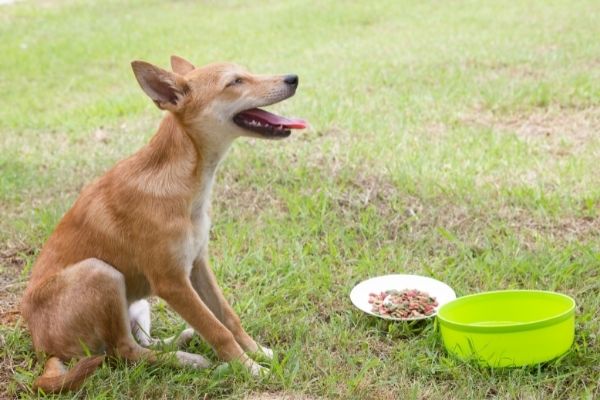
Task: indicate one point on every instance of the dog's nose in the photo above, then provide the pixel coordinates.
(291, 80)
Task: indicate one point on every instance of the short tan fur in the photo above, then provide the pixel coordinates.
(142, 229)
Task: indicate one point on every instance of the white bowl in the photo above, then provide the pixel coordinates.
(360, 294)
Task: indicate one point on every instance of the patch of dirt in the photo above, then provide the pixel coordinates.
(433, 129)
(408, 217)
(411, 218)
(12, 260)
(562, 131)
(503, 68)
(280, 396)
(233, 195)
(13, 255)
(230, 193)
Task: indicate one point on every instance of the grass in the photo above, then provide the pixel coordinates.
(455, 139)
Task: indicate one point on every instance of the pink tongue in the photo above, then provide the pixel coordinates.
(265, 116)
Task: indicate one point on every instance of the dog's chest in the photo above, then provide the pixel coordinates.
(197, 236)
(195, 241)
(198, 239)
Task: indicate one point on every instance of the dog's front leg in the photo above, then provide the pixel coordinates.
(204, 282)
(178, 292)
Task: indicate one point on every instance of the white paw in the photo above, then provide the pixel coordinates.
(266, 351)
(185, 337)
(147, 341)
(192, 360)
(181, 340)
(257, 369)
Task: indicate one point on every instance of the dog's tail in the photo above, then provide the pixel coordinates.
(56, 378)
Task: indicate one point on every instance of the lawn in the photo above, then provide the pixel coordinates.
(454, 139)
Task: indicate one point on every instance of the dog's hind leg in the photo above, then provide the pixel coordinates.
(182, 339)
(82, 311)
(139, 318)
(140, 321)
(77, 313)
(139, 314)
(121, 342)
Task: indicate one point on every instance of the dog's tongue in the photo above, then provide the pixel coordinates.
(273, 119)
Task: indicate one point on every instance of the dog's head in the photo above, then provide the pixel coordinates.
(220, 99)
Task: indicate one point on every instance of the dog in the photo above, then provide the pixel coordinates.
(142, 229)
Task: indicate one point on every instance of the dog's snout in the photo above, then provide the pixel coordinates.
(291, 80)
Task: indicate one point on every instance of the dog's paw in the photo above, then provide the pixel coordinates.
(267, 352)
(253, 367)
(186, 337)
(181, 340)
(147, 341)
(192, 360)
(258, 370)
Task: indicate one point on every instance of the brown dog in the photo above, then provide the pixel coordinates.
(142, 229)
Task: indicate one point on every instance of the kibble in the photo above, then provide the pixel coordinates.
(407, 303)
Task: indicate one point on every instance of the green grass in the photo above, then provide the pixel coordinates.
(456, 139)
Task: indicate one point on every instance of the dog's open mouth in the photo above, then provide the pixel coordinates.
(268, 124)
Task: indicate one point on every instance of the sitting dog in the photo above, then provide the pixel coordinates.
(143, 229)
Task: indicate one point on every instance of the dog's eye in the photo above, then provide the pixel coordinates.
(236, 81)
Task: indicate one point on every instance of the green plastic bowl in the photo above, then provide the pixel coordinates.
(508, 328)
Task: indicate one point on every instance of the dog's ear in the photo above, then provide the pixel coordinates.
(166, 89)
(181, 65)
